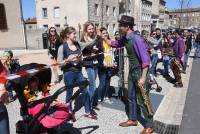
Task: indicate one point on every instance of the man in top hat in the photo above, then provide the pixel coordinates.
(139, 62)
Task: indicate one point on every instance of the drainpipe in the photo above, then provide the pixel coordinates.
(24, 27)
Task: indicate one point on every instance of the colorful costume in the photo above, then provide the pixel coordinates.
(138, 59)
(176, 63)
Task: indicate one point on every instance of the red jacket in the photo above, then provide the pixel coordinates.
(3, 73)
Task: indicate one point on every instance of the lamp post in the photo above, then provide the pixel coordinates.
(66, 25)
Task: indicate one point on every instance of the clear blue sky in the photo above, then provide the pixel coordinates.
(29, 6)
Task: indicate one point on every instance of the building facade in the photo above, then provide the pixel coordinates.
(160, 16)
(185, 18)
(11, 25)
(31, 24)
(60, 13)
(141, 10)
(146, 13)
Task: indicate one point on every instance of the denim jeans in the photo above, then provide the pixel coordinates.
(92, 74)
(71, 77)
(197, 51)
(166, 60)
(4, 121)
(153, 63)
(104, 84)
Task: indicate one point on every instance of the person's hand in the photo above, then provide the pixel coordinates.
(141, 82)
(98, 32)
(3, 95)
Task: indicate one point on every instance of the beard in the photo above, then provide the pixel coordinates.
(121, 33)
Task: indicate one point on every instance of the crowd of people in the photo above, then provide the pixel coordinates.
(94, 52)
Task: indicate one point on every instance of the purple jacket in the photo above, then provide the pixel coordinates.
(139, 46)
(179, 48)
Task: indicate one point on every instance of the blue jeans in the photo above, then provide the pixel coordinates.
(4, 121)
(197, 51)
(92, 74)
(153, 63)
(71, 77)
(166, 64)
(104, 84)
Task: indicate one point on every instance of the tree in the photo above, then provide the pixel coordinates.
(184, 4)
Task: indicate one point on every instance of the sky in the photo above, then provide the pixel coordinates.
(29, 6)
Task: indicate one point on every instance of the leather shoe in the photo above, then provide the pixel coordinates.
(147, 131)
(128, 123)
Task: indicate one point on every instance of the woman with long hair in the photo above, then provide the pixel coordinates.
(105, 66)
(167, 52)
(70, 51)
(54, 43)
(91, 42)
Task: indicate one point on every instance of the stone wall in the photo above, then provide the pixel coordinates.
(13, 37)
(109, 20)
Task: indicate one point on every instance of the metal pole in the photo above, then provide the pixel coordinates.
(102, 5)
(24, 27)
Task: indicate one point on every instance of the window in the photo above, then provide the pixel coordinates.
(114, 12)
(57, 25)
(3, 21)
(30, 27)
(114, 28)
(44, 12)
(56, 12)
(96, 9)
(107, 27)
(45, 26)
(107, 10)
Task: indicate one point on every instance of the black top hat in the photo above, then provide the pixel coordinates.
(127, 20)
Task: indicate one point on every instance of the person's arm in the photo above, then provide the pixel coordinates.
(141, 52)
(143, 56)
(142, 79)
(3, 93)
(118, 43)
(181, 49)
(155, 42)
(60, 54)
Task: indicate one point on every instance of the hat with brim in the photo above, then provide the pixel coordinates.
(127, 20)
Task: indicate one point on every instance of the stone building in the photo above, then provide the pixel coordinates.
(11, 25)
(141, 10)
(31, 23)
(60, 13)
(160, 16)
(185, 18)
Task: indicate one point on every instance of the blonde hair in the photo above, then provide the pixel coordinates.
(84, 37)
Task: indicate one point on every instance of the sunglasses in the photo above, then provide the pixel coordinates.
(52, 30)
